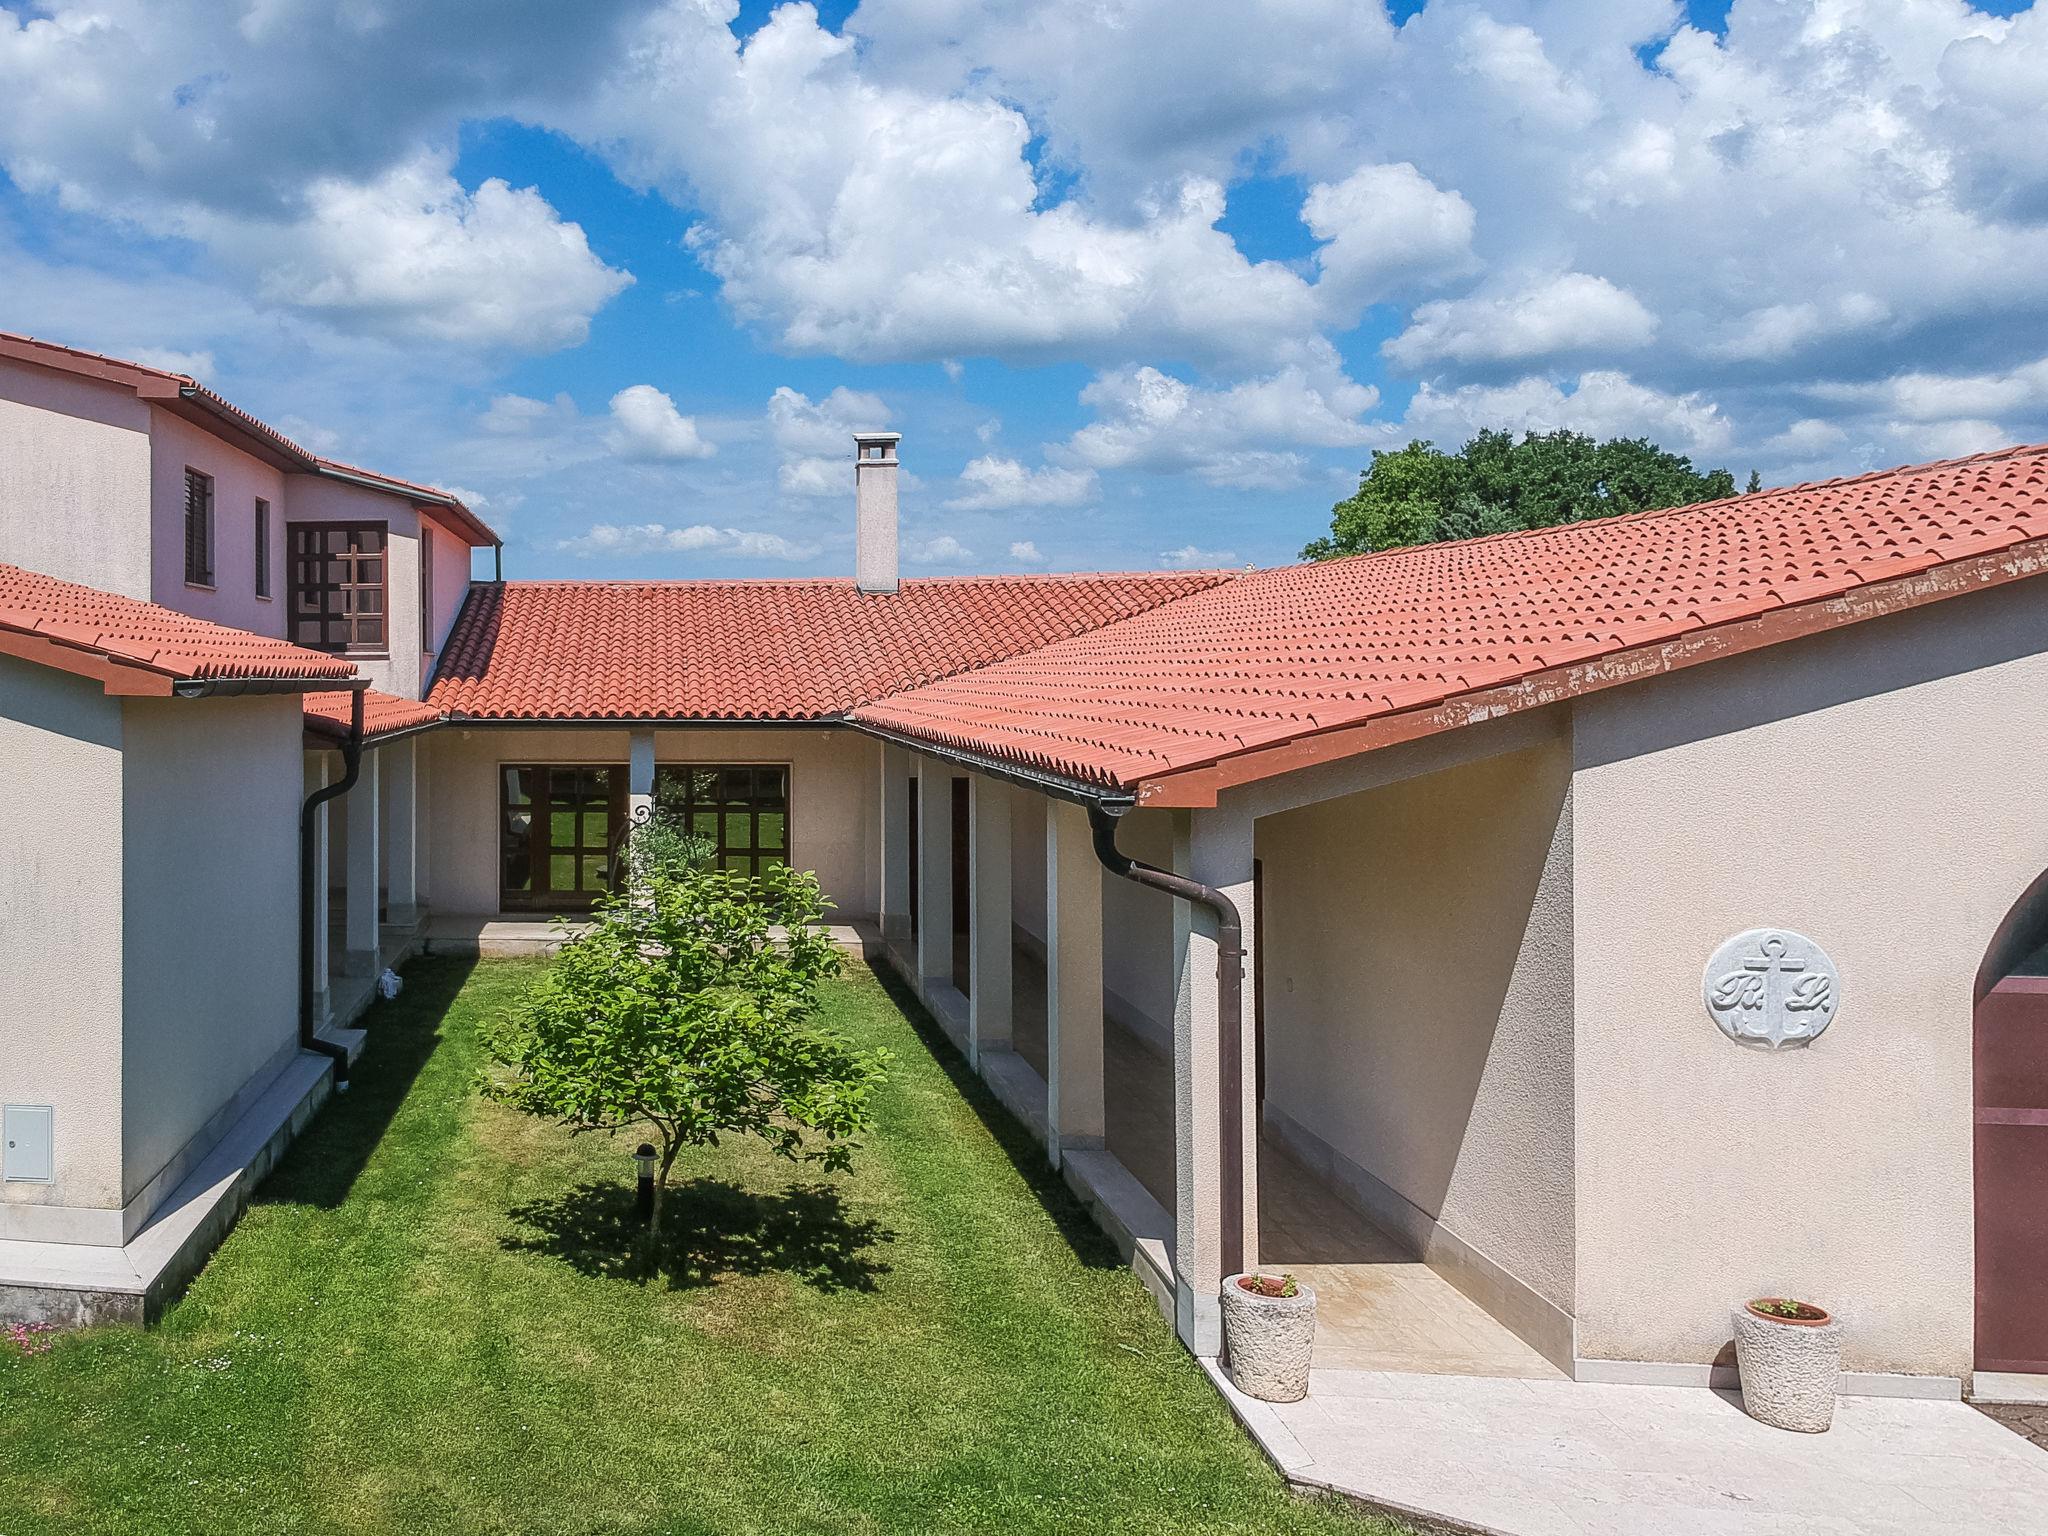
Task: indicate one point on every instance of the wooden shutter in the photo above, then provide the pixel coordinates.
(198, 528)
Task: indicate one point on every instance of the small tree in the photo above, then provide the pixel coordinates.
(688, 1008)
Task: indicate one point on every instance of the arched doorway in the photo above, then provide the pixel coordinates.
(2010, 1055)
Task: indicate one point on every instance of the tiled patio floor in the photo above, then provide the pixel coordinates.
(1559, 1458)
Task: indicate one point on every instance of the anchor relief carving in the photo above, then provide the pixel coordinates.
(1771, 988)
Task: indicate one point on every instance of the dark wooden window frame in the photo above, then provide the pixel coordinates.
(720, 808)
(426, 587)
(592, 842)
(263, 590)
(199, 542)
(337, 603)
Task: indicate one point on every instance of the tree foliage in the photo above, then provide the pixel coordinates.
(688, 1009)
(1498, 484)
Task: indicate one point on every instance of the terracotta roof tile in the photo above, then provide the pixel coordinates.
(756, 650)
(383, 713)
(1280, 654)
(132, 633)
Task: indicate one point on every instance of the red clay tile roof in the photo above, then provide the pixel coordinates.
(327, 714)
(756, 650)
(1281, 654)
(84, 622)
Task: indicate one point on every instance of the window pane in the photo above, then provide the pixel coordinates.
(704, 784)
(369, 600)
(562, 783)
(705, 824)
(369, 631)
(768, 783)
(743, 862)
(739, 831)
(593, 872)
(518, 786)
(562, 829)
(562, 872)
(596, 828)
(769, 830)
(370, 570)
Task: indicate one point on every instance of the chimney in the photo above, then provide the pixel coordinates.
(874, 499)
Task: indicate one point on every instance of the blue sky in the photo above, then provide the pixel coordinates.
(1142, 283)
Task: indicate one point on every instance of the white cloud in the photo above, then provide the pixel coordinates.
(1572, 313)
(1025, 552)
(1147, 419)
(1381, 227)
(814, 438)
(1188, 558)
(942, 550)
(647, 426)
(412, 255)
(699, 538)
(993, 484)
(1601, 404)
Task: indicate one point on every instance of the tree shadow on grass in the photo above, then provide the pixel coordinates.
(1090, 1244)
(711, 1229)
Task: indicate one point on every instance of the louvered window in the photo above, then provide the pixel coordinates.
(339, 573)
(198, 528)
(426, 586)
(262, 547)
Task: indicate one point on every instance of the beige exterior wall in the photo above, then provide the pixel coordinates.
(833, 789)
(1137, 929)
(1878, 789)
(60, 935)
(210, 892)
(238, 480)
(1417, 948)
(74, 479)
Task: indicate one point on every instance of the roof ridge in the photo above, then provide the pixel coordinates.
(1219, 575)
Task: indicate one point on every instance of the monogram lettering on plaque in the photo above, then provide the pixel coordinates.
(1771, 988)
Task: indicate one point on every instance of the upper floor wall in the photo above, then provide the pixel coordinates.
(94, 488)
(75, 479)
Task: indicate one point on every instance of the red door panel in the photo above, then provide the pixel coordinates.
(2011, 1057)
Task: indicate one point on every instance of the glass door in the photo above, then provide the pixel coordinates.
(558, 826)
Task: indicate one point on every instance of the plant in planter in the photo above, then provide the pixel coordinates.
(1789, 1354)
(1269, 1332)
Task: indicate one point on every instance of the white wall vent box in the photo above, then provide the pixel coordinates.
(25, 1130)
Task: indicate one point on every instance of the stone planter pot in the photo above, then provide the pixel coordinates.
(1267, 1341)
(1790, 1367)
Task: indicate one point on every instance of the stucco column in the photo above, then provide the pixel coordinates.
(363, 876)
(893, 899)
(934, 872)
(316, 778)
(1073, 982)
(988, 917)
(639, 784)
(399, 792)
(1214, 847)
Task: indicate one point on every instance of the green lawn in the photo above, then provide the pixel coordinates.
(428, 1322)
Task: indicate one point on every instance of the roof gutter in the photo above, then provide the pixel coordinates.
(235, 687)
(1102, 820)
(1115, 801)
(309, 834)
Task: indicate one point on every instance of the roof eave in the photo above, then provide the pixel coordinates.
(1060, 786)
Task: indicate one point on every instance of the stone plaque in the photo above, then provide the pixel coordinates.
(1771, 988)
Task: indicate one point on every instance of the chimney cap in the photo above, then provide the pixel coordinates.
(878, 437)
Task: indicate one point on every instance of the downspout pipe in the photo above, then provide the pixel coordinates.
(309, 836)
(1102, 820)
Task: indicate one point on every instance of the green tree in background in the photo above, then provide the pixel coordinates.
(1498, 484)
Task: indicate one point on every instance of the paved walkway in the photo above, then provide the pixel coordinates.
(1560, 1458)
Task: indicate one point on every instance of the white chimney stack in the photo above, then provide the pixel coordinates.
(874, 498)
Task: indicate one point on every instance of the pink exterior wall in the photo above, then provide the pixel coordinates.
(451, 584)
(316, 500)
(238, 480)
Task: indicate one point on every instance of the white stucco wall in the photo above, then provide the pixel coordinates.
(210, 895)
(1417, 950)
(74, 479)
(1878, 789)
(238, 480)
(833, 785)
(60, 926)
(317, 500)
